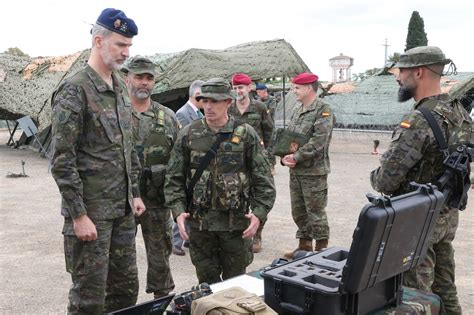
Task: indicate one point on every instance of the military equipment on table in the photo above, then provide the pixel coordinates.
(287, 142)
(153, 307)
(391, 237)
(183, 301)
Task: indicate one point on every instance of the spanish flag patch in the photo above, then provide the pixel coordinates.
(405, 124)
(235, 140)
(326, 114)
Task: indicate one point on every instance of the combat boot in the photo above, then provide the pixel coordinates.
(305, 244)
(321, 244)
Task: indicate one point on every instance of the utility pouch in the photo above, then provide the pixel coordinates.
(232, 301)
(287, 142)
(158, 173)
(229, 188)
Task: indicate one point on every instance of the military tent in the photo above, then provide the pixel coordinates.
(260, 60)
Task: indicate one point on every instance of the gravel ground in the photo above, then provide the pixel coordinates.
(32, 272)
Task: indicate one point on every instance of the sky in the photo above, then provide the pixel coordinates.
(317, 30)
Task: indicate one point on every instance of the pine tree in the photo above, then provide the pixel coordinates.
(416, 32)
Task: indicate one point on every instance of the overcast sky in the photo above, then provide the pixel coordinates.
(317, 30)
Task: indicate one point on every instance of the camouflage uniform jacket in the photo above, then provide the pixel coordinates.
(271, 103)
(414, 154)
(237, 178)
(257, 116)
(316, 122)
(154, 132)
(94, 163)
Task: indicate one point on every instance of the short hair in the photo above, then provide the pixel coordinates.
(194, 87)
(315, 86)
(99, 30)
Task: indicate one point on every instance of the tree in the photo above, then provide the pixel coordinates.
(416, 32)
(394, 58)
(15, 51)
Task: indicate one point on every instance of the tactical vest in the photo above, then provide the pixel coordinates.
(456, 126)
(221, 195)
(154, 152)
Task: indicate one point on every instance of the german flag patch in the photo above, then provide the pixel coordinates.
(326, 114)
(405, 124)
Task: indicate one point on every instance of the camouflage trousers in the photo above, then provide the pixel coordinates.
(309, 196)
(219, 255)
(104, 272)
(156, 230)
(436, 272)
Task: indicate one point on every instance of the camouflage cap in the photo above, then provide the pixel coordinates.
(218, 89)
(422, 56)
(140, 65)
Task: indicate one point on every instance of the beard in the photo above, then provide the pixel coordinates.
(241, 97)
(405, 93)
(141, 94)
(109, 61)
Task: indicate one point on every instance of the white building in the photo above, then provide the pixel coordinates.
(341, 68)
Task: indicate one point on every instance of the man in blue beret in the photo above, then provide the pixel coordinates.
(96, 169)
(266, 98)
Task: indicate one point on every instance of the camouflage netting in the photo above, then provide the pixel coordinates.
(259, 60)
(369, 104)
(27, 84)
(463, 88)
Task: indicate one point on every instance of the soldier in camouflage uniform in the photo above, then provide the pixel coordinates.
(97, 170)
(267, 99)
(309, 164)
(257, 115)
(414, 155)
(154, 129)
(236, 179)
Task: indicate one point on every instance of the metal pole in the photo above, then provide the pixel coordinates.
(284, 105)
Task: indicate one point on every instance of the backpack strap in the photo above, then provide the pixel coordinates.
(436, 130)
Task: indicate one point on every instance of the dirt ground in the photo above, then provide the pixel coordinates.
(32, 271)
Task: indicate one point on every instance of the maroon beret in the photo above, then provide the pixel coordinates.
(305, 78)
(241, 79)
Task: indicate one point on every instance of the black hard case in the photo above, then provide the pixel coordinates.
(392, 236)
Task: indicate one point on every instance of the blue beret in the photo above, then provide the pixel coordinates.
(116, 21)
(261, 86)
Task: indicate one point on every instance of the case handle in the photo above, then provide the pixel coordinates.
(294, 309)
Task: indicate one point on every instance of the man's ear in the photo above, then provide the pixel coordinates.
(420, 72)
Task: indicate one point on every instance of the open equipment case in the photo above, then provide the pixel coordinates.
(392, 236)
